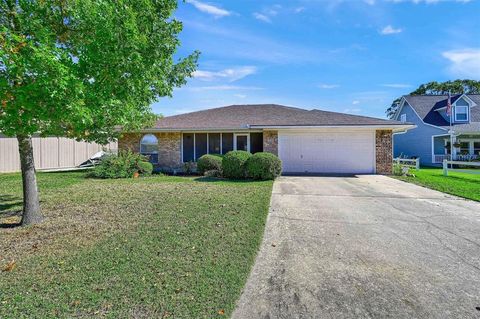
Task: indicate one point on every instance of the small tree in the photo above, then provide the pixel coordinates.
(439, 88)
(81, 69)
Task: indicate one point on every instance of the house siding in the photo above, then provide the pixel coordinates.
(418, 141)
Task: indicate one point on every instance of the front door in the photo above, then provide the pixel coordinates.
(241, 142)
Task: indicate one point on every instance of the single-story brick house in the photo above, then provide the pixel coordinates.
(307, 141)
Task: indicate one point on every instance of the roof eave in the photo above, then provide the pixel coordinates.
(394, 127)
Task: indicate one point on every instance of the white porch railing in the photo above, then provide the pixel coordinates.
(409, 162)
(439, 158)
(465, 157)
(451, 163)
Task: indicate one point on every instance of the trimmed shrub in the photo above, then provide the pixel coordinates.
(213, 173)
(209, 162)
(264, 166)
(233, 164)
(123, 165)
(145, 168)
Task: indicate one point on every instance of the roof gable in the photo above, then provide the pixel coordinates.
(426, 107)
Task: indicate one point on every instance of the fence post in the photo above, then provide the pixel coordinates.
(417, 163)
(445, 167)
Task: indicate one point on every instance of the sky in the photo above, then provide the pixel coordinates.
(338, 55)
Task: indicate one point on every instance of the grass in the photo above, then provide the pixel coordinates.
(456, 183)
(154, 247)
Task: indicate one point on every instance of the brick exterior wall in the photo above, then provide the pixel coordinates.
(169, 148)
(384, 152)
(270, 142)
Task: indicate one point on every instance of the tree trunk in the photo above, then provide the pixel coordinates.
(31, 204)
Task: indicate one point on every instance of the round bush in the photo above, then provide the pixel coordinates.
(264, 166)
(233, 164)
(145, 168)
(123, 165)
(209, 162)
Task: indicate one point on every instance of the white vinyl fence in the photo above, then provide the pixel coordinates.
(49, 152)
(407, 162)
(474, 170)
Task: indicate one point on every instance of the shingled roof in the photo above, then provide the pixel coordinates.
(426, 106)
(264, 115)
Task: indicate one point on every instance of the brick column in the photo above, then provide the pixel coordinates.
(270, 142)
(384, 152)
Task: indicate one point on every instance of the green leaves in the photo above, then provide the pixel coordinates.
(81, 68)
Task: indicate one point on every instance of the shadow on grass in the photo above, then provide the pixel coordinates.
(459, 179)
(205, 179)
(7, 202)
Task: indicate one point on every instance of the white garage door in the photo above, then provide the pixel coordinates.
(322, 152)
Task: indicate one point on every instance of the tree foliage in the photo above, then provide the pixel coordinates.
(81, 68)
(439, 88)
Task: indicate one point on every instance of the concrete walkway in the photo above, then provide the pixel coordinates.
(365, 247)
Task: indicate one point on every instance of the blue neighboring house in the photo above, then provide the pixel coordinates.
(430, 140)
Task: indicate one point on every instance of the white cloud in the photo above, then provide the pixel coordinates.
(231, 75)
(390, 30)
(464, 62)
(369, 2)
(397, 85)
(209, 8)
(356, 102)
(328, 86)
(268, 13)
(240, 96)
(224, 88)
(352, 110)
(299, 9)
(262, 17)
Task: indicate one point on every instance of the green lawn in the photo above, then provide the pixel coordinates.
(154, 247)
(456, 183)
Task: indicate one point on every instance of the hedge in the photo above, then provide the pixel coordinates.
(233, 164)
(264, 166)
(209, 162)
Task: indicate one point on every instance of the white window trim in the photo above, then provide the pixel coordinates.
(235, 140)
(456, 113)
(403, 118)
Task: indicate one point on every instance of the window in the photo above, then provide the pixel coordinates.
(256, 142)
(241, 142)
(476, 148)
(214, 143)
(464, 148)
(149, 147)
(403, 118)
(194, 145)
(188, 147)
(461, 113)
(448, 149)
(200, 145)
(227, 142)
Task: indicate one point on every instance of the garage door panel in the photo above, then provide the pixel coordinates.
(339, 152)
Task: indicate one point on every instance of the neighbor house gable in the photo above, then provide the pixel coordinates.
(414, 117)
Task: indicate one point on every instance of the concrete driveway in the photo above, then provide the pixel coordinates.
(365, 247)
